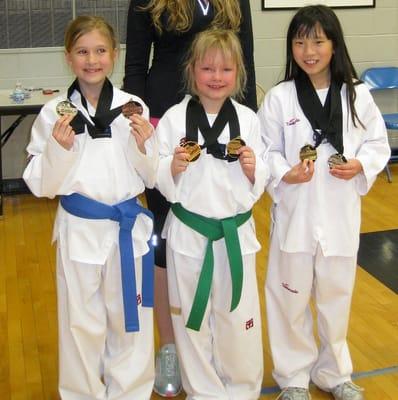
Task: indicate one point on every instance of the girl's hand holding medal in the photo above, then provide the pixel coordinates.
(247, 161)
(180, 161)
(141, 129)
(63, 133)
(346, 170)
(300, 173)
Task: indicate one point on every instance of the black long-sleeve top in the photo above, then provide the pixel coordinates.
(161, 85)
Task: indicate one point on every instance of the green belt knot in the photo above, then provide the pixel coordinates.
(214, 229)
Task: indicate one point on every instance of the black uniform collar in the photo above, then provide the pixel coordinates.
(104, 116)
(326, 120)
(196, 118)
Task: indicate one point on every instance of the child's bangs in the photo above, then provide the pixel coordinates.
(310, 30)
(215, 46)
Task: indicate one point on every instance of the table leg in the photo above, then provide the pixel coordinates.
(1, 178)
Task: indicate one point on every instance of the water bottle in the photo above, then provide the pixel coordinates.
(19, 93)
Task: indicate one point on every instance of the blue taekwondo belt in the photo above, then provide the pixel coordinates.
(126, 214)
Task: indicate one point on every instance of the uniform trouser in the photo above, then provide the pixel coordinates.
(291, 280)
(224, 360)
(97, 358)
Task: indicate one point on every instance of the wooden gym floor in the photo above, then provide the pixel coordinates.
(28, 324)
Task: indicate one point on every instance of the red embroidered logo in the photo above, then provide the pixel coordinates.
(139, 301)
(286, 286)
(249, 323)
(292, 121)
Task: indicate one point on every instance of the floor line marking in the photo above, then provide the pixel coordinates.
(357, 375)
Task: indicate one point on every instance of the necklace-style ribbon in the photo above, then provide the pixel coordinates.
(327, 120)
(104, 116)
(196, 118)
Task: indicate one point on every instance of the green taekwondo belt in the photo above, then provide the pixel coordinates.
(214, 229)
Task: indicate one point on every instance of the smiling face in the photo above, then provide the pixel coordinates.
(215, 79)
(313, 54)
(91, 59)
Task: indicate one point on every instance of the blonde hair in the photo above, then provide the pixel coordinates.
(84, 24)
(227, 14)
(227, 42)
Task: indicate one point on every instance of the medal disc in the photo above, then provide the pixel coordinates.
(193, 150)
(308, 152)
(132, 107)
(233, 145)
(336, 159)
(66, 108)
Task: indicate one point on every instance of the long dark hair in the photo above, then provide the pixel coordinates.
(305, 24)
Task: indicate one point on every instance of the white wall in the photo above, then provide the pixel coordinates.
(371, 37)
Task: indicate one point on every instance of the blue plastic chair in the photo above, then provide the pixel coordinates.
(385, 78)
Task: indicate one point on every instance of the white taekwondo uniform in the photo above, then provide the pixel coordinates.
(315, 236)
(98, 359)
(224, 359)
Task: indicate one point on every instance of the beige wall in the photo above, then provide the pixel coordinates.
(371, 37)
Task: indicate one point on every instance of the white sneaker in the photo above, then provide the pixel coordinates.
(167, 372)
(347, 391)
(294, 393)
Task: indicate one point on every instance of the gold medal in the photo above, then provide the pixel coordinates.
(234, 145)
(308, 152)
(132, 107)
(336, 159)
(66, 108)
(192, 148)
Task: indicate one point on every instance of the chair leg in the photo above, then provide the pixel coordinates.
(388, 172)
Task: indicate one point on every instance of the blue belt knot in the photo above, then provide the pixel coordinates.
(127, 223)
(125, 213)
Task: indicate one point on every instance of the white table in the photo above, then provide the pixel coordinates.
(29, 106)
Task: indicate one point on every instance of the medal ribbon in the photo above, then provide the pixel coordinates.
(214, 229)
(327, 120)
(196, 118)
(100, 125)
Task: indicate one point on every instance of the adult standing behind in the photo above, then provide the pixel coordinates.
(170, 27)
